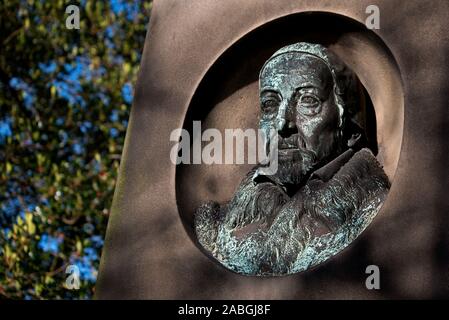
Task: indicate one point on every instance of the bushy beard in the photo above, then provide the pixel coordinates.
(296, 162)
(294, 165)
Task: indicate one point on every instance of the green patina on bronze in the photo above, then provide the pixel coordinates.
(328, 186)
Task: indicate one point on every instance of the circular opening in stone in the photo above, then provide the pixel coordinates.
(228, 97)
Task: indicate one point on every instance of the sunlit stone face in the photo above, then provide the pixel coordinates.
(297, 100)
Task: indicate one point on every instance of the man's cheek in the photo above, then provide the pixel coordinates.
(308, 128)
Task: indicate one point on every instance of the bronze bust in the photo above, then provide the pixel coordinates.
(328, 186)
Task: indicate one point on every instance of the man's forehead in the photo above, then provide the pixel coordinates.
(296, 69)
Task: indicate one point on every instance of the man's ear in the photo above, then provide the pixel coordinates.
(354, 139)
(354, 135)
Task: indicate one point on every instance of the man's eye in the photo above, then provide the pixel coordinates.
(309, 104)
(269, 105)
(309, 101)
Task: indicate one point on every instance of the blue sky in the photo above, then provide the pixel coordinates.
(67, 83)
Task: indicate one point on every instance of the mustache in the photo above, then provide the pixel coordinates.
(296, 142)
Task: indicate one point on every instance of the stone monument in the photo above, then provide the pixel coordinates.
(202, 61)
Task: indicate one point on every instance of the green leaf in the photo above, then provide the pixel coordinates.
(8, 167)
(29, 222)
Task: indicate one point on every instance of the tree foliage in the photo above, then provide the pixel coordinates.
(64, 102)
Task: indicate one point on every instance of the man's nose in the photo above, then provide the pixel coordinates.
(285, 123)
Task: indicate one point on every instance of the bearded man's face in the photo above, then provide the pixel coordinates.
(297, 100)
